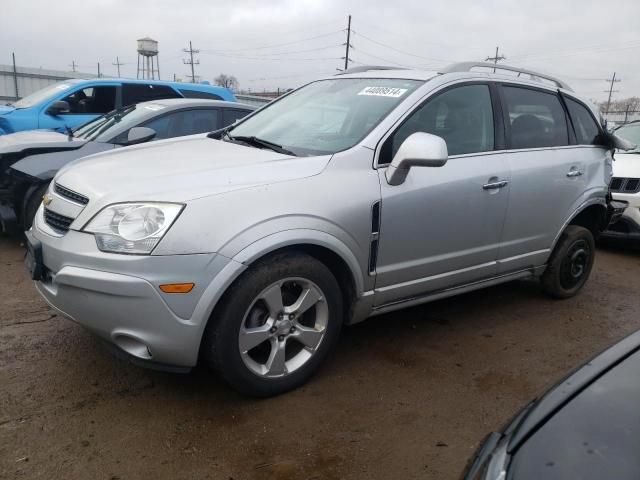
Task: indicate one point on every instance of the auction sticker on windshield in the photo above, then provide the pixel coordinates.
(383, 91)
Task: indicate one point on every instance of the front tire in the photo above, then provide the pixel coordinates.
(275, 325)
(32, 204)
(570, 263)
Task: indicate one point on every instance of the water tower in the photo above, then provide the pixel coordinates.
(148, 63)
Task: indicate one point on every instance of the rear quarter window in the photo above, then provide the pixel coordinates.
(141, 92)
(585, 126)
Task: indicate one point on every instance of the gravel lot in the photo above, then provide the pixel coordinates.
(407, 395)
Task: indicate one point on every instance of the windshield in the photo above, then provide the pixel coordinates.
(106, 127)
(327, 116)
(631, 133)
(42, 95)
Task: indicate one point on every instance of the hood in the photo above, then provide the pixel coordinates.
(4, 109)
(37, 140)
(44, 166)
(626, 165)
(181, 170)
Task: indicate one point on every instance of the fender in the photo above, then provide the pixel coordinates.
(286, 238)
(240, 262)
(576, 212)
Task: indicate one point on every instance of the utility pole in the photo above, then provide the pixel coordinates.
(73, 66)
(15, 76)
(99, 70)
(496, 58)
(346, 53)
(118, 64)
(191, 62)
(611, 90)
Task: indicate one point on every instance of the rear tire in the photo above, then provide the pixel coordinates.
(32, 205)
(570, 263)
(275, 325)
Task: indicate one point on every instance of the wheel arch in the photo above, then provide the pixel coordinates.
(590, 215)
(326, 248)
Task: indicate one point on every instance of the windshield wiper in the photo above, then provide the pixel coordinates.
(260, 143)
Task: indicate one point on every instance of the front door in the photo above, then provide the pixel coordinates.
(85, 104)
(442, 227)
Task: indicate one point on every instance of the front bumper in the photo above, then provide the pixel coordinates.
(628, 224)
(117, 297)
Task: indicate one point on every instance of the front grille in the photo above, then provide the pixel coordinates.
(70, 194)
(625, 185)
(58, 222)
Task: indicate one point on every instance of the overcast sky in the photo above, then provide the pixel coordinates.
(283, 43)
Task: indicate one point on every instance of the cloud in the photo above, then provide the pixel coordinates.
(282, 43)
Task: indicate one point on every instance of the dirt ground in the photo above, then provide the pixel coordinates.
(407, 395)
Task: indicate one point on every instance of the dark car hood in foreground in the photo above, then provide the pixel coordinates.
(33, 141)
(595, 436)
(586, 427)
(44, 166)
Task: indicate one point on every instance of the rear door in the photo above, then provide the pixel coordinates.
(548, 174)
(442, 226)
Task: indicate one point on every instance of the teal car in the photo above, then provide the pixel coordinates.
(70, 103)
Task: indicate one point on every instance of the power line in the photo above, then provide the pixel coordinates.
(190, 61)
(275, 59)
(360, 51)
(262, 47)
(396, 49)
(271, 54)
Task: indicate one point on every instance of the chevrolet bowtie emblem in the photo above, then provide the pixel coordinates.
(47, 200)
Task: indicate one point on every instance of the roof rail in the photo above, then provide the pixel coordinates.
(467, 66)
(367, 68)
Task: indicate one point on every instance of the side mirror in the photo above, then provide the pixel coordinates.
(418, 150)
(58, 107)
(140, 135)
(620, 143)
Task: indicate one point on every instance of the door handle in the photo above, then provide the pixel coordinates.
(493, 185)
(574, 173)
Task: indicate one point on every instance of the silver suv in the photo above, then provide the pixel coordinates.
(353, 196)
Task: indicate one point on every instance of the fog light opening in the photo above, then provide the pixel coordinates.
(133, 346)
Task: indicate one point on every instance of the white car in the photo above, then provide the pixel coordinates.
(625, 184)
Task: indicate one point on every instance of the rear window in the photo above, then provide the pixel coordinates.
(585, 126)
(195, 94)
(536, 119)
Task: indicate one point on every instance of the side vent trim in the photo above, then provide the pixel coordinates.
(374, 238)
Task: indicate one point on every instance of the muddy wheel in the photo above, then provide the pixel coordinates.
(32, 204)
(275, 326)
(570, 263)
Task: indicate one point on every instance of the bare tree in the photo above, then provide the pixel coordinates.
(631, 104)
(226, 81)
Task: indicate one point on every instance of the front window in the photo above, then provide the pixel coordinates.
(327, 116)
(43, 94)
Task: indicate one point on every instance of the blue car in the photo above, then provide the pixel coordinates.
(71, 103)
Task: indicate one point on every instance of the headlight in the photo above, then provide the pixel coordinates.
(132, 227)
